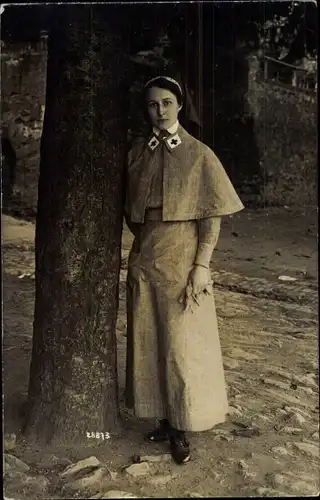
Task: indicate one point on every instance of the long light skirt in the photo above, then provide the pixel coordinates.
(174, 362)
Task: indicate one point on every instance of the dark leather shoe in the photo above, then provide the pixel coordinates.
(180, 450)
(161, 434)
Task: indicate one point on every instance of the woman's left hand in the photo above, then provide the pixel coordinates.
(199, 278)
(199, 281)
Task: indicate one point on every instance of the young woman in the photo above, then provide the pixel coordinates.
(176, 193)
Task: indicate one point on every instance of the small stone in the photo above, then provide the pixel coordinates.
(215, 475)
(113, 475)
(278, 343)
(137, 470)
(49, 461)
(244, 468)
(263, 417)
(295, 409)
(286, 278)
(10, 441)
(307, 380)
(165, 457)
(280, 450)
(15, 475)
(224, 437)
(276, 383)
(40, 483)
(282, 396)
(12, 462)
(291, 430)
(268, 492)
(239, 353)
(281, 372)
(309, 449)
(160, 480)
(248, 475)
(298, 418)
(315, 435)
(308, 478)
(93, 478)
(230, 364)
(219, 432)
(275, 480)
(82, 465)
(303, 488)
(19, 481)
(307, 390)
(235, 412)
(281, 411)
(243, 465)
(14, 483)
(234, 392)
(246, 432)
(312, 365)
(115, 494)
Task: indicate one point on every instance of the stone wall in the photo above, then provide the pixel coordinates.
(285, 126)
(229, 126)
(23, 81)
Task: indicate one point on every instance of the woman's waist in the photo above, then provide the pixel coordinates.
(153, 223)
(153, 214)
(156, 237)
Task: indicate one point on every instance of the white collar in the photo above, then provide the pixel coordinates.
(172, 130)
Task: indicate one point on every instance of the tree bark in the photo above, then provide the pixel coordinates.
(73, 385)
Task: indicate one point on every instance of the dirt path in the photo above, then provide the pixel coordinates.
(268, 327)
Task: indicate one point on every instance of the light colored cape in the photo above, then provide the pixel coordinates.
(195, 184)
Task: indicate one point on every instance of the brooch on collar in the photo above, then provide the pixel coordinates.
(153, 143)
(172, 142)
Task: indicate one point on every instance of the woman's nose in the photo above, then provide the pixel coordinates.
(160, 110)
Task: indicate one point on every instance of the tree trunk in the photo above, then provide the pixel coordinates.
(73, 385)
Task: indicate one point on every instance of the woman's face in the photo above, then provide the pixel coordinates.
(163, 107)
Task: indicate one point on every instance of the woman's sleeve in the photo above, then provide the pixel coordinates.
(133, 226)
(208, 231)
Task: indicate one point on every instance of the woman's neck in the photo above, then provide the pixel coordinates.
(172, 130)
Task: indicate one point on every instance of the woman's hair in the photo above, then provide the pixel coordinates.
(165, 82)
